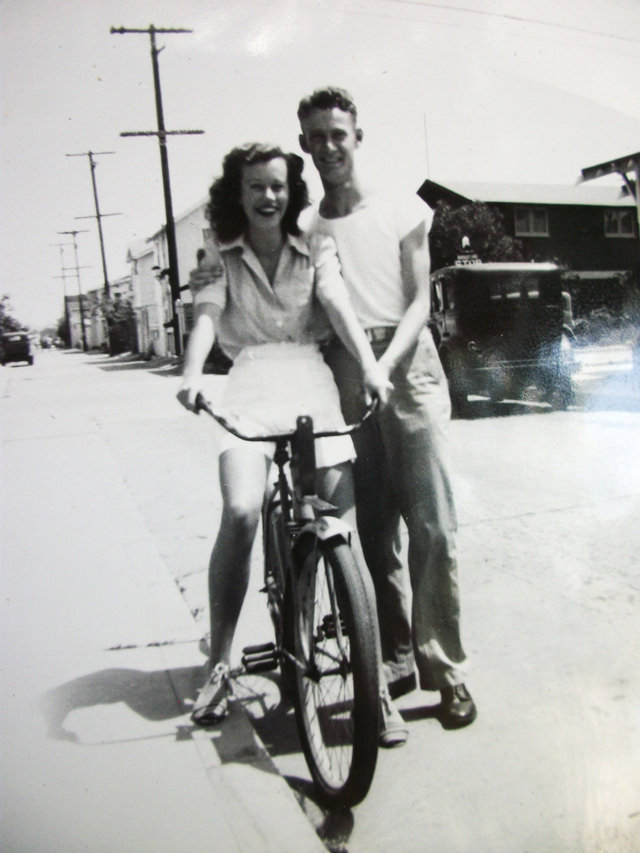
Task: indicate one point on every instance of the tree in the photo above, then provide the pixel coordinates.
(62, 331)
(121, 322)
(8, 323)
(483, 225)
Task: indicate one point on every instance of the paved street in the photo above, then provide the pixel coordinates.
(549, 511)
(100, 661)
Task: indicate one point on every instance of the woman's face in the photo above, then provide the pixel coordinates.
(264, 193)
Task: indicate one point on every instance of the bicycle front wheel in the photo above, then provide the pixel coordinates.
(337, 681)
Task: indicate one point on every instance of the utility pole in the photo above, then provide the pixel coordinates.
(77, 268)
(63, 270)
(98, 216)
(162, 135)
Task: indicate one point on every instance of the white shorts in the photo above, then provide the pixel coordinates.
(271, 385)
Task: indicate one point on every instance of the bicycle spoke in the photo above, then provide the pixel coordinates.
(327, 692)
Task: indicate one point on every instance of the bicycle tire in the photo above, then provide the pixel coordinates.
(337, 689)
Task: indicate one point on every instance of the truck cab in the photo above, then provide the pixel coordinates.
(16, 346)
(499, 329)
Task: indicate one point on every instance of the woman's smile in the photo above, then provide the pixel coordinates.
(265, 192)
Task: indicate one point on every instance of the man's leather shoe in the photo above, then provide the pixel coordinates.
(457, 708)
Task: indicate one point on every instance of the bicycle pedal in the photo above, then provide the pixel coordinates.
(267, 665)
(260, 658)
(261, 647)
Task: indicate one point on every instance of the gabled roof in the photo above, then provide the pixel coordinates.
(138, 250)
(461, 192)
(177, 218)
(183, 215)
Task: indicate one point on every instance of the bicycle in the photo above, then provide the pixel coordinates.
(324, 617)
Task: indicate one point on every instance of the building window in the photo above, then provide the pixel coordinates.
(531, 222)
(618, 223)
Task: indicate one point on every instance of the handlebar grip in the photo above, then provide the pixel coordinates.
(200, 403)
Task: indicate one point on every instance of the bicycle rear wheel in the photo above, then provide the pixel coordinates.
(275, 569)
(277, 585)
(337, 687)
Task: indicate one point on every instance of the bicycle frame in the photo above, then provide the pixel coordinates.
(323, 611)
(304, 513)
(302, 500)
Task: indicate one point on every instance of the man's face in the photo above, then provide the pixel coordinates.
(331, 138)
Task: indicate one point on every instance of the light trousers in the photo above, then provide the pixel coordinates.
(402, 471)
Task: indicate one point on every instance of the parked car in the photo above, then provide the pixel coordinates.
(16, 346)
(499, 329)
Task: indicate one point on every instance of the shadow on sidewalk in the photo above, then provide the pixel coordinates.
(161, 366)
(270, 711)
(157, 696)
(165, 695)
(161, 696)
(171, 366)
(151, 695)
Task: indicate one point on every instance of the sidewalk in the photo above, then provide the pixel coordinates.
(100, 667)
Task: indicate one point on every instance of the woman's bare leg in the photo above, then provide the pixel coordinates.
(243, 473)
(335, 485)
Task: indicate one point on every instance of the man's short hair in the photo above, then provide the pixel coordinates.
(327, 99)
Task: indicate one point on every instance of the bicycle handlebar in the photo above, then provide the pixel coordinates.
(203, 405)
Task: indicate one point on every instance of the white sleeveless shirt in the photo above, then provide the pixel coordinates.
(368, 242)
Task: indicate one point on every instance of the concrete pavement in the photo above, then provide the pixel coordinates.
(100, 662)
(549, 508)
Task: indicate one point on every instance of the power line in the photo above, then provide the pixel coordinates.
(161, 133)
(508, 17)
(74, 234)
(448, 24)
(98, 216)
(64, 270)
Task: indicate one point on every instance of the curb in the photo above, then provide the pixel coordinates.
(259, 808)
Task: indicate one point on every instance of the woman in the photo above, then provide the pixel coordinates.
(266, 295)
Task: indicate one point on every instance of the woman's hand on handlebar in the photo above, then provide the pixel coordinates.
(187, 396)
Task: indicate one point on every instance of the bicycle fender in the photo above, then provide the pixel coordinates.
(327, 527)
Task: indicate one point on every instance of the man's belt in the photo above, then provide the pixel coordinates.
(380, 334)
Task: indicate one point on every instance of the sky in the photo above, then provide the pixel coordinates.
(505, 91)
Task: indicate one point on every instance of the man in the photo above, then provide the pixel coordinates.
(402, 468)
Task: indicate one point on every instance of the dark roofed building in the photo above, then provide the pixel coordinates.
(584, 227)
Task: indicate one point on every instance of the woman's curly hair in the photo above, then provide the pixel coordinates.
(224, 211)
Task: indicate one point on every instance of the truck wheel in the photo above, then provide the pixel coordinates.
(458, 383)
(560, 393)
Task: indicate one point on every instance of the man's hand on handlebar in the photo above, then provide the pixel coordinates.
(377, 384)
